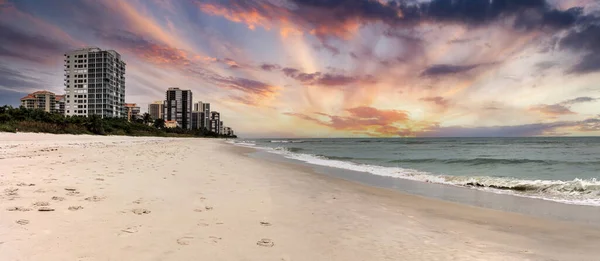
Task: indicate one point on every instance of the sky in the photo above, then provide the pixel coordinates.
(332, 68)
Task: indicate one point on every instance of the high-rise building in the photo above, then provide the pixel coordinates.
(206, 114)
(221, 127)
(43, 100)
(155, 109)
(178, 107)
(94, 83)
(197, 118)
(215, 121)
(133, 111)
(227, 131)
(60, 104)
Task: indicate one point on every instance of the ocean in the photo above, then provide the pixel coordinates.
(562, 169)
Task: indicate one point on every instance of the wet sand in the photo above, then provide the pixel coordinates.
(121, 198)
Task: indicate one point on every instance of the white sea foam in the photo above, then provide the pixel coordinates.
(577, 191)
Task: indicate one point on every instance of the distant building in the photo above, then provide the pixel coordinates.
(206, 114)
(197, 119)
(178, 107)
(221, 127)
(42, 100)
(60, 104)
(133, 111)
(155, 109)
(227, 131)
(215, 121)
(94, 83)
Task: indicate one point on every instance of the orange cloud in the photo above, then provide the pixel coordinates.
(252, 18)
(367, 119)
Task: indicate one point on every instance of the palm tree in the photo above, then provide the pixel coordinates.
(147, 118)
(159, 123)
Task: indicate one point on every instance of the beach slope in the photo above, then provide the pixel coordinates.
(65, 197)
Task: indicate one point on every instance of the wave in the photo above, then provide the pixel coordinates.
(287, 141)
(577, 191)
(477, 161)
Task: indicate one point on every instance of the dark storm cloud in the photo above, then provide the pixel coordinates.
(444, 69)
(579, 100)
(536, 129)
(332, 17)
(326, 79)
(15, 43)
(18, 81)
(584, 40)
(562, 108)
(270, 67)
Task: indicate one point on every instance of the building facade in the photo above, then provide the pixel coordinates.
(197, 119)
(42, 100)
(215, 121)
(156, 109)
(133, 111)
(206, 115)
(94, 83)
(60, 104)
(178, 107)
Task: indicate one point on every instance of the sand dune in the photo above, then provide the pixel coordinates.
(68, 197)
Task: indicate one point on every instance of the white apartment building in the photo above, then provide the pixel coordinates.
(94, 83)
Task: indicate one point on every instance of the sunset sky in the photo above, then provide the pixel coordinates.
(332, 68)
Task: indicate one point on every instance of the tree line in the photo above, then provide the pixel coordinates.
(36, 120)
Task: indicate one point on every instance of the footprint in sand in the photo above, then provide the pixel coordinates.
(45, 209)
(140, 211)
(75, 208)
(184, 241)
(138, 201)
(11, 191)
(18, 209)
(130, 230)
(22, 184)
(58, 198)
(73, 193)
(22, 221)
(41, 204)
(215, 239)
(266, 224)
(94, 198)
(265, 242)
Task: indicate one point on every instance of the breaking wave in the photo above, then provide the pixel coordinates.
(577, 191)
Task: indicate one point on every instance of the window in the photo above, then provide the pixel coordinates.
(68, 111)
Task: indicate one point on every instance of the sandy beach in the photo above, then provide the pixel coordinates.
(66, 197)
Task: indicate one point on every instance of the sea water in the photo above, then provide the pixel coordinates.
(563, 169)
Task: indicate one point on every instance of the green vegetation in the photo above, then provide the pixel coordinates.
(30, 120)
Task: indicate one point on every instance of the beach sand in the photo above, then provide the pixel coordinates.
(65, 197)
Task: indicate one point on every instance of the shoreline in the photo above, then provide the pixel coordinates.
(515, 203)
(189, 199)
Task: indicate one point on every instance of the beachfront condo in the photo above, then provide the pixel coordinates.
(155, 109)
(94, 83)
(59, 105)
(206, 115)
(215, 121)
(133, 111)
(43, 100)
(178, 107)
